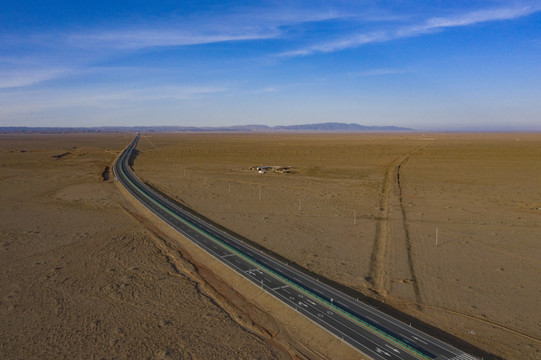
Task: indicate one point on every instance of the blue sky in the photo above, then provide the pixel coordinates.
(435, 65)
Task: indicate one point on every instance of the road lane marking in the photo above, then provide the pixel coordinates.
(392, 348)
(381, 351)
(416, 338)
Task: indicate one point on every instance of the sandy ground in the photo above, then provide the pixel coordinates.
(365, 211)
(82, 276)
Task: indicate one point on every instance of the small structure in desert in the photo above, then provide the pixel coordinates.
(276, 169)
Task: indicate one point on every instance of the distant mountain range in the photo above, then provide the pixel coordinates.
(322, 127)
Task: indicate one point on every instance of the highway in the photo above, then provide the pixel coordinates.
(367, 329)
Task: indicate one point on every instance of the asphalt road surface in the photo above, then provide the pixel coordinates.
(372, 332)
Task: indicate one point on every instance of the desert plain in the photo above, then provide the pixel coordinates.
(443, 227)
(443, 230)
(84, 276)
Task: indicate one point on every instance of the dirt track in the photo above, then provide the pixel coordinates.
(391, 259)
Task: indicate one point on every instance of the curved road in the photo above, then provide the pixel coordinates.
(372, 332)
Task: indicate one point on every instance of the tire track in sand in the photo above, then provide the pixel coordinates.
(391, 258)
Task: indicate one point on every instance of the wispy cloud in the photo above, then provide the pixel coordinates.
(138, 39)
(251, 24)
(378, 72)
(152, 94)
(265, 90)
(340, 44)
(27, 77)
(69, 53)
(12, 104)
(481, 16)
(72, 52)
(430, 25)
(103, 105)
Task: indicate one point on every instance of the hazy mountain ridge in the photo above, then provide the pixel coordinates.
(321, 127)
